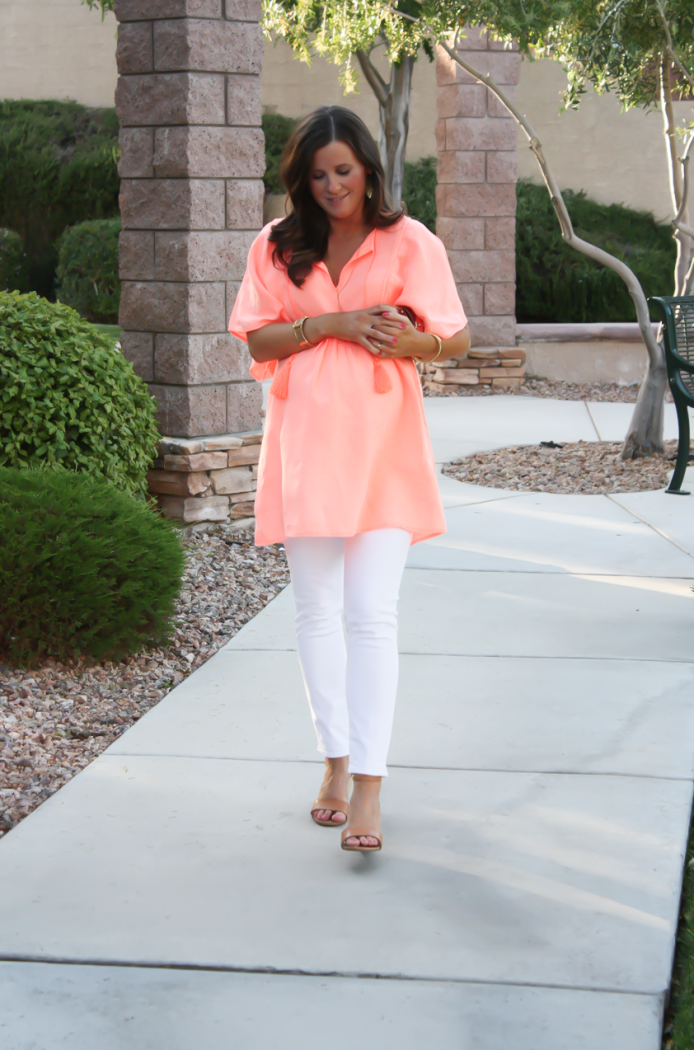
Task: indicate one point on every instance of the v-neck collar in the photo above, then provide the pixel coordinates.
(367, 245)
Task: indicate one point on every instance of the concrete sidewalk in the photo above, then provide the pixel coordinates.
(176, 894)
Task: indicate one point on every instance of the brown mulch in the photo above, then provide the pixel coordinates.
(559, 390)
(56, 719)
(589, 467)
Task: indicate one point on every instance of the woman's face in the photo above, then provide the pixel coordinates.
(338, 181)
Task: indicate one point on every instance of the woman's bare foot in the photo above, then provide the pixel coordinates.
(335, 785)
(365, 810)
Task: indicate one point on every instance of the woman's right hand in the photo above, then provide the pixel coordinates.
(353, 326)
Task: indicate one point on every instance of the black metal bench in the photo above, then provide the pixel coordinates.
(677, 315)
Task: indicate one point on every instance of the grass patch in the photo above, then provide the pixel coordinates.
(679, 1017)
(113, 331)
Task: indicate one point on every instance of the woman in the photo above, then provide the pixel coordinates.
(346, 478)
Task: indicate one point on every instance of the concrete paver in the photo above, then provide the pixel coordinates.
(487, 876)
(590, 716)
(520, 614)
(612, 419)
(519, 534)
(101, 1006)
(535, 818)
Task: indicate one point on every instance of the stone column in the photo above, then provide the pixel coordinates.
(192, 157)
(476, 193)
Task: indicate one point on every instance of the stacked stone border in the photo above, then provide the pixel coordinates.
(208, 479)
(501, 368)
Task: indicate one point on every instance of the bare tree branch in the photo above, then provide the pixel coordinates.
(561, 210)
(678, 222)
(684, 161)
(373, 77)
(677, 175)
(670, 130)
(670, 49)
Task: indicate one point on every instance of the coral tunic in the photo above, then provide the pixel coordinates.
(346, 447)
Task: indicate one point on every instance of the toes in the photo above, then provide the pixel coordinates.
(338, 817)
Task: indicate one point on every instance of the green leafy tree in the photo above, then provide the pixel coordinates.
(349, 31)
(644, 53)
(344, 32)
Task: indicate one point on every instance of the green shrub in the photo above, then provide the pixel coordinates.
(57, 167)
(277, 130)
(14, 274)
(557, 283)
(419, 191)
(68, 398)
(88, 269)
(84, 569)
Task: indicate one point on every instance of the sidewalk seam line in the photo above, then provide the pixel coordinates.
(401, 765)
(592, 419)
(654, 528)
(492, 656)
(272, 971)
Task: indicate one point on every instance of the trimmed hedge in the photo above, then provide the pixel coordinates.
(84, 569)
(88, 270)
(556, 283)
(58, 167)
(419, 191)
(14, 272)
(277, 130)
(68, 398)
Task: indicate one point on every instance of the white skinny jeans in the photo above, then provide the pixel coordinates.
(351, 686)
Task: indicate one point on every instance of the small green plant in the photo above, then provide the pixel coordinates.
(68, 398)
(554, 283)
(88, 269)
(84, 568)
(14, 273)
(419, 191)
(277, 130)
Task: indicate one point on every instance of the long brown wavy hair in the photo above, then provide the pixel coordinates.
(301, 239)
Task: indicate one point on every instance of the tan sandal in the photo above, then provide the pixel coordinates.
(335, 805)
(355, 833)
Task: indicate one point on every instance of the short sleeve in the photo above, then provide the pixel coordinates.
(261, 298)
(428, 284)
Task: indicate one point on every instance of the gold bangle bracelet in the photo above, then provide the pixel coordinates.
(439, 340)
(439, 343)
(300, 334)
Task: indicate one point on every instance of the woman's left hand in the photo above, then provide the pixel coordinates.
(409, 342)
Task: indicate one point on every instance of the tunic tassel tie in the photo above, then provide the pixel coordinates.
(382, 383)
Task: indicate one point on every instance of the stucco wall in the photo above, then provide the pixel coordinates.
(57, 49)
(60, 49)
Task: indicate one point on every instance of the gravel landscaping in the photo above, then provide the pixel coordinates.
(56, 719)
(549, 388)
(591, 467)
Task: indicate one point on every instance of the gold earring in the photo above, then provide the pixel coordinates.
(369, 192)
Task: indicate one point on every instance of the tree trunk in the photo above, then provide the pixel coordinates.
(677, 188)
(395, 125)
(645, 433)
(394, 113)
